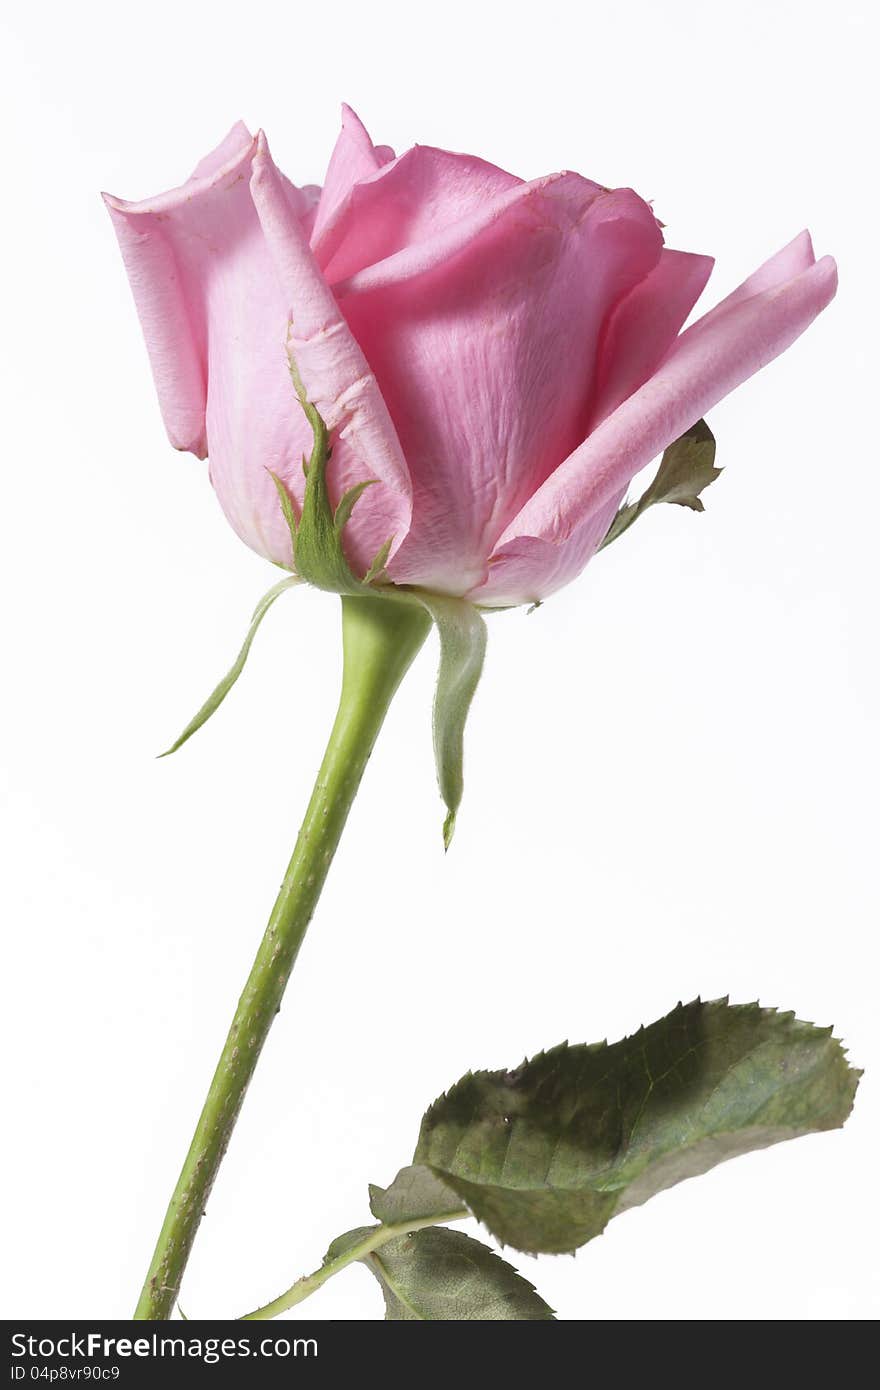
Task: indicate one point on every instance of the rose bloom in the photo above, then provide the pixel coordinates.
(501, 357)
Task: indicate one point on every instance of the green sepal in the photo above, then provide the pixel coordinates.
(547, 1154)
(346, 504)
(320, 560)
(288, 507)
(462, 633)
(686, 469)
(222, 689)
(379, 561)
(438, 1275)
(318, 554)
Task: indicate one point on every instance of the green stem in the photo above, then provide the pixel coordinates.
(380, 640)
(374, 1238)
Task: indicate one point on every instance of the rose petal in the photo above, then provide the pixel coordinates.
(354, 157)
(794, 258)
(528, 569)
(407, 202)
(215, 321)
(483, 339)
(173, 327)
(645, 325)
(710, 359)
(336, 376)
(237, 140)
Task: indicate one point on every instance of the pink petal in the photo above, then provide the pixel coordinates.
(238, 139)
(354, 157)
(645, 325)
(166, 298)
(215, 322)
(528, 569)
(706, 363)
(407, 202)
(335, 374)
(483, 338)
(794, 258)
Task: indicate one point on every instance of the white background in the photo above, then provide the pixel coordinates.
(672, 768)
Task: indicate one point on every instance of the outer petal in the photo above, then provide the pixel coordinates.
(483, 339)
(335, 374)
(354, 157)
(528, 569)
(706, 363)
(215, 321)
(166, 293)
(794, 258)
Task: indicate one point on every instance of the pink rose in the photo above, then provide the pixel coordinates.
(500, 357)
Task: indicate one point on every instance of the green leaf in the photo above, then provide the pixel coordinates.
(686, 469)
(220, 691)
(438, 1275)
(462, 650)
(318, 553)
(427, 1272)
(545, 1155)
(415, 1194)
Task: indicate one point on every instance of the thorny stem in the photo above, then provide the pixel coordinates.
(380, 641)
